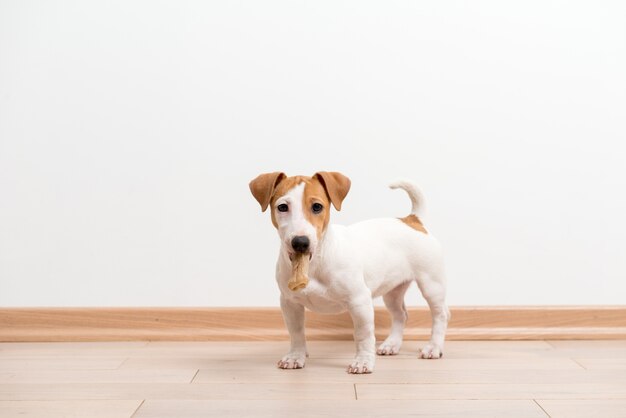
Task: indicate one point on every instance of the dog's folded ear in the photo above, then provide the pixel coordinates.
(336, 184)
(263, 187)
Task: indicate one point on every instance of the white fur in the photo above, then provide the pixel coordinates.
(293, 223)
(352, 264)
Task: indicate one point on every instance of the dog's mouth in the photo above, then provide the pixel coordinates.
(292, 255)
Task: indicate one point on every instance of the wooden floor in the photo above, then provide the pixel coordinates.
(240, 379)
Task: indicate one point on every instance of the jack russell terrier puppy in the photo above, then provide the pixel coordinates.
(349, 265)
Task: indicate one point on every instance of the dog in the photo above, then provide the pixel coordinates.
(349, 265)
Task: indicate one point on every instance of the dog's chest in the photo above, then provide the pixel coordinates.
(317, 297)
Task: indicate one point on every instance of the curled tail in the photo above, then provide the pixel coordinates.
(415, 194)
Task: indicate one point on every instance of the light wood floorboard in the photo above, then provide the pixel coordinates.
(207, 379)
(326, 374)
(65, 409)
(99, 376)
(319, 409)
(234, 391)
(82, 349)
(491, 391)
(608, 363)
(587, 344)
(584, 408)
(59, 363)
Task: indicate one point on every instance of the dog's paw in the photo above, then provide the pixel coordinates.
(293, 360)
(362, 364)
(431, 351)
(389, 348)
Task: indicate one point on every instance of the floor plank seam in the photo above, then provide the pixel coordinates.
(136, 410)
(122, 363)
(194, 376)
(554, 347)
(539, 405)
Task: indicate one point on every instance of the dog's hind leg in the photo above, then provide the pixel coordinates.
(394, 301)
(433, 289)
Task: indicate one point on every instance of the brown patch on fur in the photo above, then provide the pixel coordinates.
(315, 192)
(414, 222)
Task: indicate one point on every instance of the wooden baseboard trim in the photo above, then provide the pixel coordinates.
(217, 324)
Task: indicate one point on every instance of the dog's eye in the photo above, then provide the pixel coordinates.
(282, 207)
(317, 207)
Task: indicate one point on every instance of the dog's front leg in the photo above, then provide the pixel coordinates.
(293, 314)
(362, 312)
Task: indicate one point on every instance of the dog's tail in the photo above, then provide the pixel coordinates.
(415, 194)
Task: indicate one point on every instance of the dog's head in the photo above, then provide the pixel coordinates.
(300, 206)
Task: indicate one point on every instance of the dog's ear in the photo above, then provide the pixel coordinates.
(263, 187)
(336, 184)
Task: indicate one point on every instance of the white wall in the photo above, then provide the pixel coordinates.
(129, 131)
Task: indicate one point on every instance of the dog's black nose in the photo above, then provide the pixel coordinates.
(300, 244)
